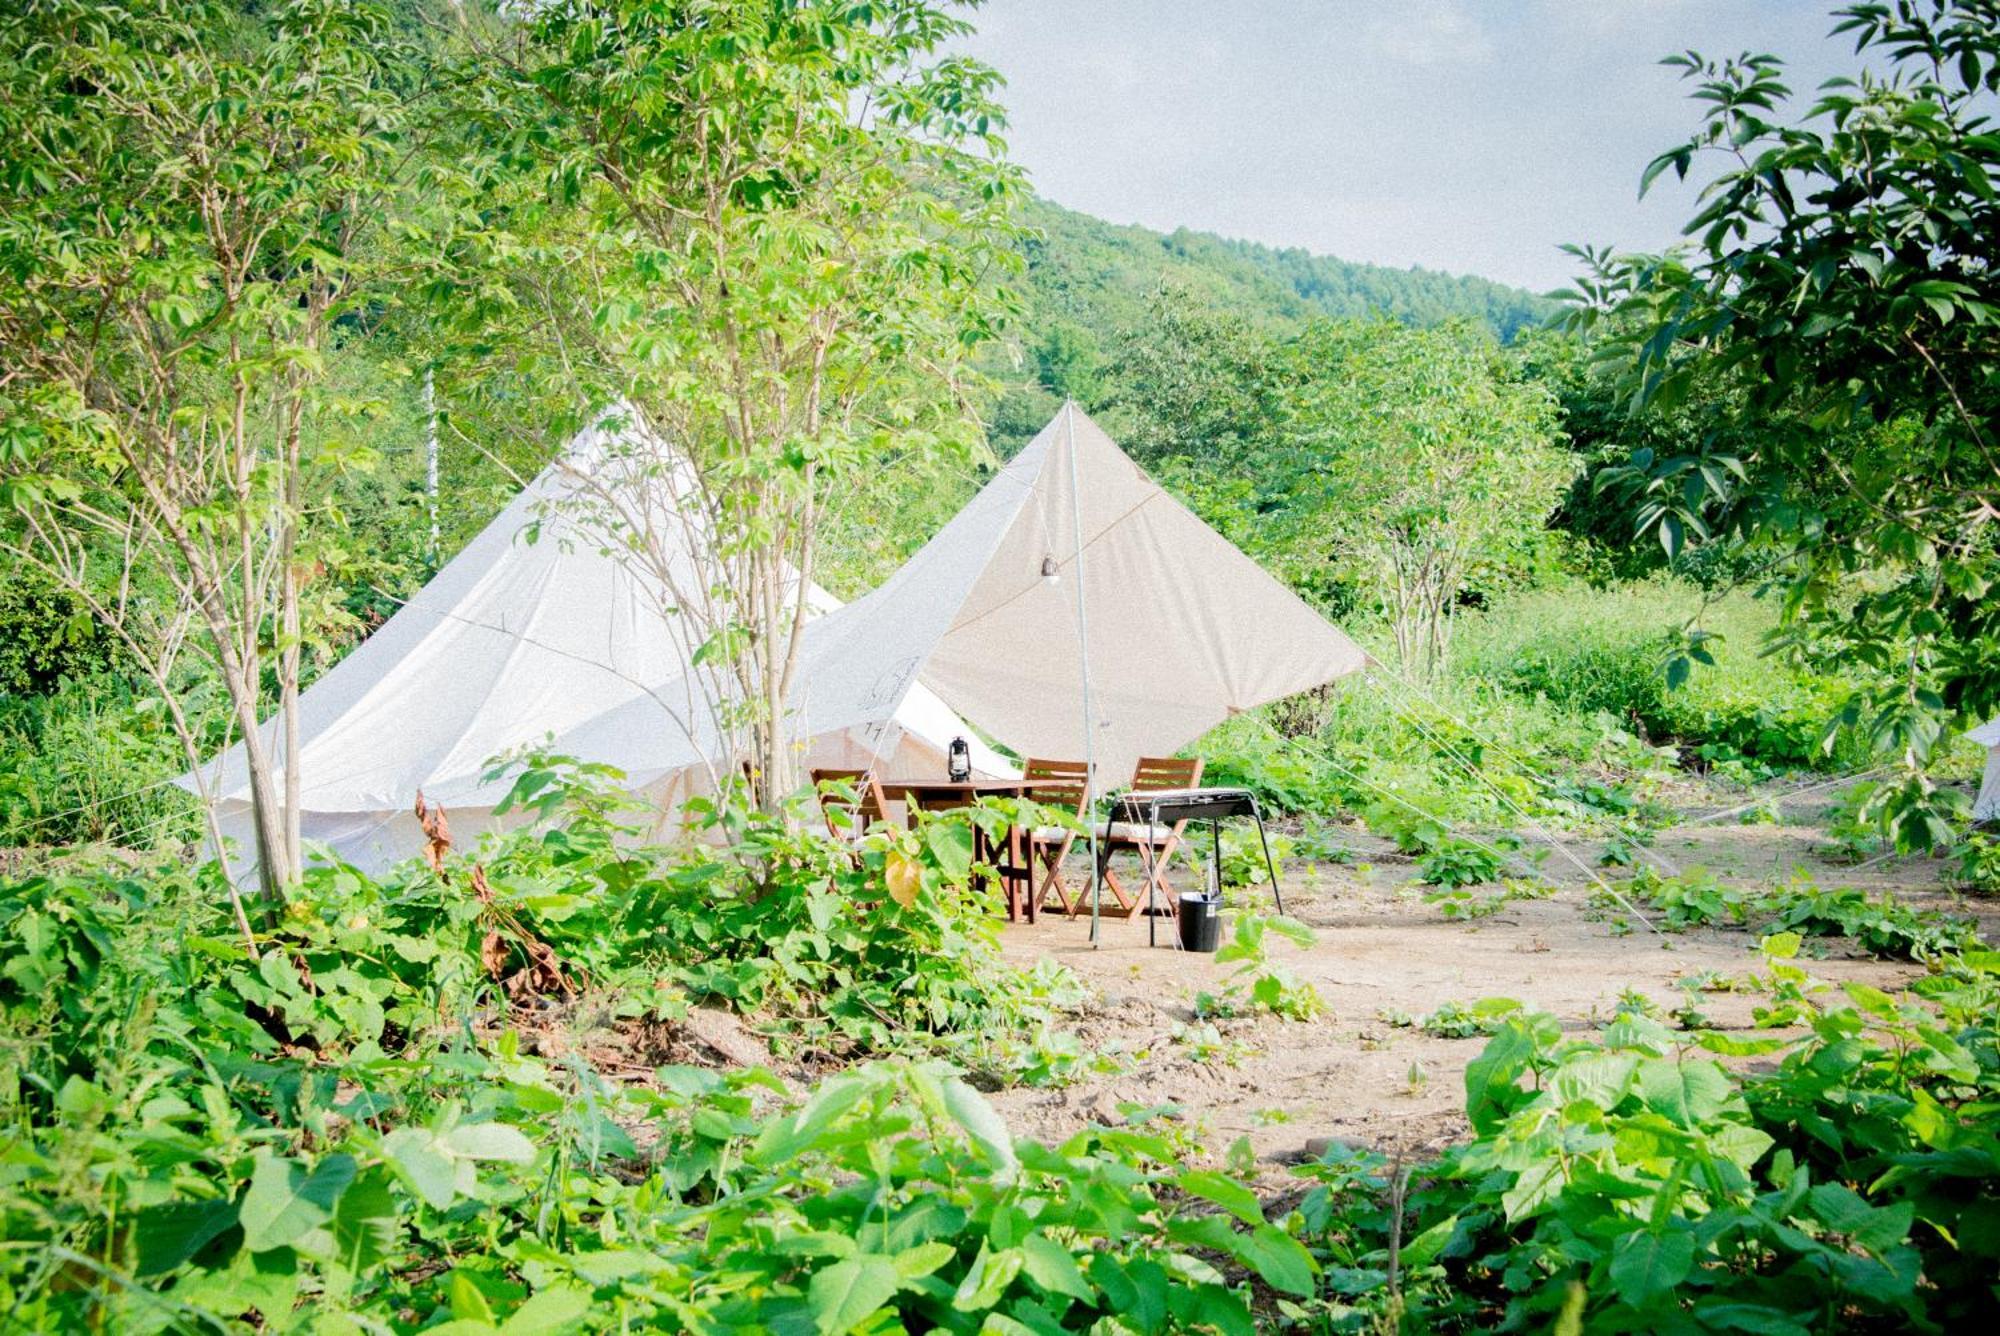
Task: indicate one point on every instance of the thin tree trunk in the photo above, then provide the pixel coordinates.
(288, 657)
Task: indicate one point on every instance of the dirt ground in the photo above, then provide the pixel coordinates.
(1355, 1077)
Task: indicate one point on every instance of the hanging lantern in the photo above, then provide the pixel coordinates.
(959, 761)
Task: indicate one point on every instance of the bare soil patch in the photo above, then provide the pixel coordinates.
(1354, 1077)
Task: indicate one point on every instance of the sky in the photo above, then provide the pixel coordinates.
(1470, 136)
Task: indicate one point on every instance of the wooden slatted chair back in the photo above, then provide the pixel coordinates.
(1063, 784)
(1166, 772)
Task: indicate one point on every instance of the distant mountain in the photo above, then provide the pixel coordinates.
(1100, 275)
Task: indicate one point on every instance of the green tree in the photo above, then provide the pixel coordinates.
(1843, 264)
(775, 234)
(1193, 384)
(190, 196)
(1418, 460)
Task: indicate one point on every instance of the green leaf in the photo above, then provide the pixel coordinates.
(468, 1303)
(284, 1201)
(167, 1235)
(1280, 1260)
(364, 1223)
(1490, 1077)
(971, 1111)
(1225, 1192)
(1050, 1266)
(1689, 1092)
(550, 1310)
(843, 1295)
(950, 843)
(489, 1141)
(1646, 1266)
(987, 1280)
(924, 1258)
(434, 1174)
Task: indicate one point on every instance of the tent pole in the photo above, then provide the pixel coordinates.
(1083, 658)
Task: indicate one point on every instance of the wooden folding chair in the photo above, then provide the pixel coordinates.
(1060, 784)
(850, 800)
(1155, 845)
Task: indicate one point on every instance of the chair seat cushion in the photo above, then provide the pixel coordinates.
(1050, 834)
(1140, 832)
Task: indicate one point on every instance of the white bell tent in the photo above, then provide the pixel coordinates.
(1070, 556)
(523, 635)
(1986, 807)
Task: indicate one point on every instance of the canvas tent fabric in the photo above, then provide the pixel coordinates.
(1986, 807)
(1184, 630)
(532, 629)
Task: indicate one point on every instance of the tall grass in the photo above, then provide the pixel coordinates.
(1539, 684)
(1586, 651)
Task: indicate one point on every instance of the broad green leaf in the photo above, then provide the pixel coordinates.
(1688, 1092)
(284, 1201)
(987, 1280)
(848, 1292)
(489, 1141)
(547, 1312)
(1534, 1187)
(1280, 1260)
(1646, 1266)
(468, 1301)
(167, 1235)
(415, 1152)
(1424, 1248)
(783, 1138)
(971, 1111)
(923, 1259)
(1601, 1079)
(1050, 1266)
(364, 1223)
(1845, 1211)
(1225, 1192)
(1490, 1077)
(950, 843)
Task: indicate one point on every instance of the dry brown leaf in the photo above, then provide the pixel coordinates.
(493, 953)
(437, 834)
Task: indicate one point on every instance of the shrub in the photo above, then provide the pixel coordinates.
(1454, 862)
(1258, 984)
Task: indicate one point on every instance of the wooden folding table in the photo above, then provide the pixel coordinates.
(1016, 878)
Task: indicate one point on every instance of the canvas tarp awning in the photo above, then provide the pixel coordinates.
(1184, 630)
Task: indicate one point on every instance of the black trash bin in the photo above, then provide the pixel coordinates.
(1201, 922)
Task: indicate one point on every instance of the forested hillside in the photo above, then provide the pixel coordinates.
(1100, 275)
(1091, 287)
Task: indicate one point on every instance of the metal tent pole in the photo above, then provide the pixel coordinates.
(1083, 659)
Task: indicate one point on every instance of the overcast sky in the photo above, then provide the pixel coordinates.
(1472, 136)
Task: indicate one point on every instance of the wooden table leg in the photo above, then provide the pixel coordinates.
(1022, 878)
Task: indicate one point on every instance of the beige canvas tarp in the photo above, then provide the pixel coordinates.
(1184, 630)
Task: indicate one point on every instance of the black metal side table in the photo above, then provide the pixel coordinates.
(1170, 807)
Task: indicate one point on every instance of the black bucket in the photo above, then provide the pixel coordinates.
(1201, 922)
